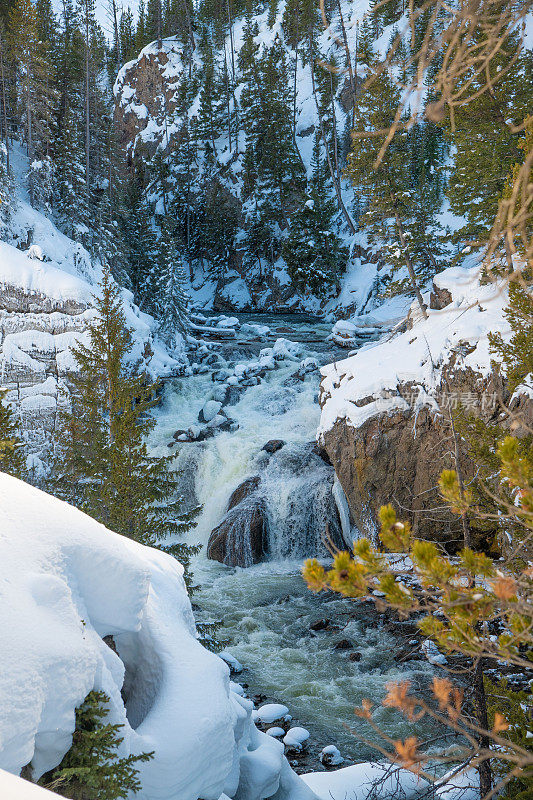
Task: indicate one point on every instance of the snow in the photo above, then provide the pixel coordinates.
(366, 383)
(330, 756)
(462, 786)
(295, 738)
(432, 653)
(15, 788)
(270, 713)
(65, 583)
(276, 732)
(360, 781)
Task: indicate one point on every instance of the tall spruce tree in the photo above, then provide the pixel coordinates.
(12, 455)
(314, 254)
(173, 300)
(102, 461)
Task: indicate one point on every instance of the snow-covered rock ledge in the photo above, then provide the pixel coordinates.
(66, 582)
(385, 410)
(47, 283)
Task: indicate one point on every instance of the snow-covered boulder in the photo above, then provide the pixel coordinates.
(66, 583)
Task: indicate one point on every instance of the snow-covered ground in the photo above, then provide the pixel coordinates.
(66, 582)
(47, 283)
(416, 356)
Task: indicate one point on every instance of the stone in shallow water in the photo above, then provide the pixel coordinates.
(330, 756)
(273, 445)
(241, 538)
(270, 713)
(344, 644)
(295, 738)
(210, 410)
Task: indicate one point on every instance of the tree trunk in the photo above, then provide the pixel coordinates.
(478, 688)
(334, 120)
(338, 194)
(87, 104)
(226, 76)
(348, 59)
(408, 261)
(480, 706)
(159, 23)
(191, 35)
(230, 25)
(4, 107)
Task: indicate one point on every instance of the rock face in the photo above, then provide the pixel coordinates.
(36, 333)
(288, 511)
(397, 456)
(241, 538)
(148, 99)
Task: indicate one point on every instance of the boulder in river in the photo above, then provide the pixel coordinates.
(273, 445)
(209, 410)
(241, 538)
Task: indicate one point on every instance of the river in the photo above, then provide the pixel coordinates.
(265, 610)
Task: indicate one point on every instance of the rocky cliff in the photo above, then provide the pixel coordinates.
(47, 283)
(386, 411)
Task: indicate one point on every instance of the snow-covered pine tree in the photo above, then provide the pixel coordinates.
(394, 219)
(7, 194)
(12, 455)
(173, 299)
(102, 463)
(35, 91)
(314, 254)
(486, 135)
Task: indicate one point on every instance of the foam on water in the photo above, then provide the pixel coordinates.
(265, 610)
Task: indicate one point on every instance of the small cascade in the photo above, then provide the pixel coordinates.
(301, 510)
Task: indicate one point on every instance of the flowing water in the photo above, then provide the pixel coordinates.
(265, 610)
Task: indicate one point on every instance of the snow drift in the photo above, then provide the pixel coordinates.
(66, 582)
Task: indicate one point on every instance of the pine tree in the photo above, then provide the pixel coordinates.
(91, 769)
(399, 217)
(7, 193)
(35, 80)
(516, 355)
(485, 145)
(102, 462)
(313, 252)
(12, 457)
(140, 242)
(173, 299)
(71, 202)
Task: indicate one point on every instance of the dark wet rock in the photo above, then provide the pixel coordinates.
(241, 538)
(273, 445)
(211, 358)
(320, 625)
(439, 298)
(243, 491)
(179, 433)
(322, 452)
(343, 644)
(355, 656)
(233, 395)
(221, 375)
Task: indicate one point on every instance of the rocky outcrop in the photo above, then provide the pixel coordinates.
(36, 333)
(387, 411)
(241, 538)
(396, 456)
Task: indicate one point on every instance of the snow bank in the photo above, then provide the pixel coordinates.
(16, 788)
(65, 583)
(380, 781)
(366, 384)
